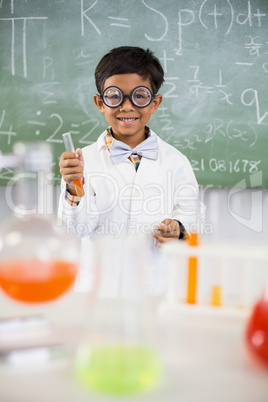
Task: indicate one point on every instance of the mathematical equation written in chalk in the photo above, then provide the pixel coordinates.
(207, 16)
(214, 54)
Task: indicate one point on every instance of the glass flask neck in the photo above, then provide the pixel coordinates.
(30, 192)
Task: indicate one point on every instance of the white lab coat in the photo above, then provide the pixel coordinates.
(120, 200)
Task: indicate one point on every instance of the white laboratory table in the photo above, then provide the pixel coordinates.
(204, 356)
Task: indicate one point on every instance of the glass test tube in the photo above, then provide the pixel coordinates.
(192, 271)
(69, 146)
(216, 296)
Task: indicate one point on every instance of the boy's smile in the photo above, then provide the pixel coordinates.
(127, 120)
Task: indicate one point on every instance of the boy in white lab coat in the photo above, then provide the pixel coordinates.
(135, 183)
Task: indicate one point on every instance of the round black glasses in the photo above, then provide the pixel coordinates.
(114, 97)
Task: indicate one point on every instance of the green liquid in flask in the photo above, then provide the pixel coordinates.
(118, 369)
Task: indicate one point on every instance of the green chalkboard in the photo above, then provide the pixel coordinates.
(214, 54)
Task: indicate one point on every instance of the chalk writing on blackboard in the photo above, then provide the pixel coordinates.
(213, 52)
(23, 34)
(6, 130)
(250, 97)
(85, 16)
(119, 22)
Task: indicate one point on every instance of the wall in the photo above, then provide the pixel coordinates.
(240, 216)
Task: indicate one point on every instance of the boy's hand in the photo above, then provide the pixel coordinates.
(169, 229)
(71, 167)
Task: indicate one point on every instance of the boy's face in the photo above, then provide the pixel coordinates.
(127, 120)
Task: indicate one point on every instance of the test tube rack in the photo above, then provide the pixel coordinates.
(230, 277)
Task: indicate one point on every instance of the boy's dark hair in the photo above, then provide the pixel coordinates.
(130, 60)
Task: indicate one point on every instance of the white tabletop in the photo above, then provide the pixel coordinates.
(203, 350)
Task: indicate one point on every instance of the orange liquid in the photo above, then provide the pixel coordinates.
(36, 281)
(216, 296)
(192, 278)
(79, 188)
(192, 272)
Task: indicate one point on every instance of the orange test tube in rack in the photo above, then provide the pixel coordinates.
(192, 271)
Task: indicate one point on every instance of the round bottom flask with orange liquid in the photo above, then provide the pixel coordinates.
(38, 261)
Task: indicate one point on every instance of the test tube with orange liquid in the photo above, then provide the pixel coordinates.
(69, 146)
(216, 281)
(216, 296)
(216, 289)
(191, 296)
(192, 271)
